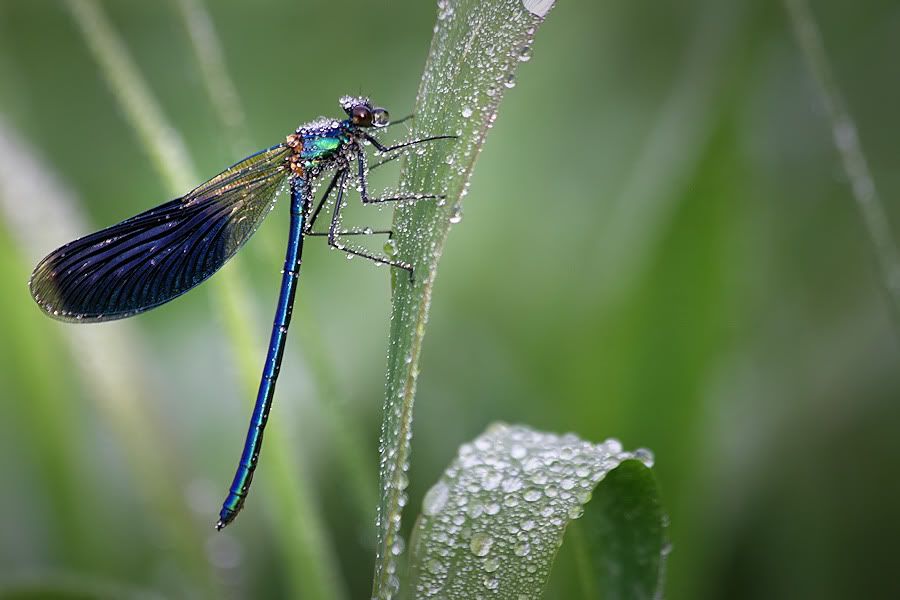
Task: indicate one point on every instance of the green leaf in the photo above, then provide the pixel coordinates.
(495, 521)
(619, 545)
(476, 50)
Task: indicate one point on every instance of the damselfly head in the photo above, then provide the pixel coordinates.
(363, 114)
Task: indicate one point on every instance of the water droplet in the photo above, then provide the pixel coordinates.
(510, 80)
(512, 484)
(456, 214)
(435, 566)
(466, 112)
(525, 53)
(492, 564)
(492, 481)
(435, 499)
(480, 544)
(645, 456)
(532, 495)
(398, 547)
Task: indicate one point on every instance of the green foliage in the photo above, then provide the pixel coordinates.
(494, 522)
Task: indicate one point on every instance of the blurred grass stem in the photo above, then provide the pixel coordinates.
(846, 140)
(223, 94)
(669, 157)
(109, 359)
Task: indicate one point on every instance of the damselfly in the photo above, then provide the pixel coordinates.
(155, 256)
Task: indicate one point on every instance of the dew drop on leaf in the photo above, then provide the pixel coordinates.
(481, 543)
(435, 499)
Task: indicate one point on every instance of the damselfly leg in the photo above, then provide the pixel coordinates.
(334, 234)
(339, 180)
(311, 219)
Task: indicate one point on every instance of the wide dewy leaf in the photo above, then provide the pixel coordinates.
(476, 49)
(492, 526)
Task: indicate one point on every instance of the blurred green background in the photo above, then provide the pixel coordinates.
(659, 245)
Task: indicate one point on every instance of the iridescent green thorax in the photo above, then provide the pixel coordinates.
(323, 144)
(317, 145)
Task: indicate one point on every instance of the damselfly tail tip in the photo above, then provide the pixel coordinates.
(226, 516)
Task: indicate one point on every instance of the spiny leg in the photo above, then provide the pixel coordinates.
(382, 148)
(340, 178)
(307, 229)
(385, 161)
(345, 232)
(310, 220)
(362, 177)
(394, 157)
(333, 234)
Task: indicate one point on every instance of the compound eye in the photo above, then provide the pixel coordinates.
(380, 117)
(361, 115)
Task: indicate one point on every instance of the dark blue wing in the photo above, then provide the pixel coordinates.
(160, 254)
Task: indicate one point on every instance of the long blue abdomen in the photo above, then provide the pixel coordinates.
(290, 275)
